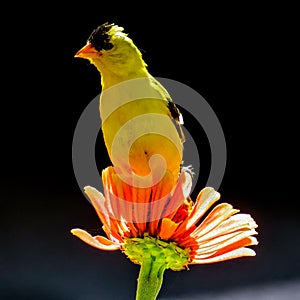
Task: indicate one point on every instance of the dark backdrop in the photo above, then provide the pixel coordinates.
(240, 59)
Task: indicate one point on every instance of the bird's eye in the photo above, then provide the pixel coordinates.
(108, 46)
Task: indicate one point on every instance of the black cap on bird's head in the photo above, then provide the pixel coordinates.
(100, 39)
(108, 44)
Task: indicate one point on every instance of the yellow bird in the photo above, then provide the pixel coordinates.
(141, 125)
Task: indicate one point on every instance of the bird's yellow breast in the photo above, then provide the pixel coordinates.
(140, 130)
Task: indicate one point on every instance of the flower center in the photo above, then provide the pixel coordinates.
(139, 250)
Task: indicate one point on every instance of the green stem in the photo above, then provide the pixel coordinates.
(150, 279)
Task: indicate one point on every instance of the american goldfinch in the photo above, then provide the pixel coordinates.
(141, 125)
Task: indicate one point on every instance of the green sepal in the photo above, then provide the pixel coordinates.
(154, 256)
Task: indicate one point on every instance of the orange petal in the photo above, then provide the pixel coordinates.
(119, 199)
(128, 203)
(180, 193)
(206, 198)
(247, 241)
(98, 242)
(240, 252)
(167, 228)
(218, 215)
(222, 242)
(167, 205)
(235, 223)
(139, 201)
(99, 202)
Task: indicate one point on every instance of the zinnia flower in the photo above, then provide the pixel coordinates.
(161, 228)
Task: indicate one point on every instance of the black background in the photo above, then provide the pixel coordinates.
(240, 59)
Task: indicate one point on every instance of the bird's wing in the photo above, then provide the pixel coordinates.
(175, 113)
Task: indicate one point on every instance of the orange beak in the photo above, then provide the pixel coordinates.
(88, 51)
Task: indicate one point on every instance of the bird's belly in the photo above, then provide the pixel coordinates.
(151, 152)
(141, 138)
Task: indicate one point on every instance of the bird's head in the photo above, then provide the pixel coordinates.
(108, 47)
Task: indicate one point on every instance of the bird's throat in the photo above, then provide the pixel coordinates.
(115, 72)
(110, 78)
